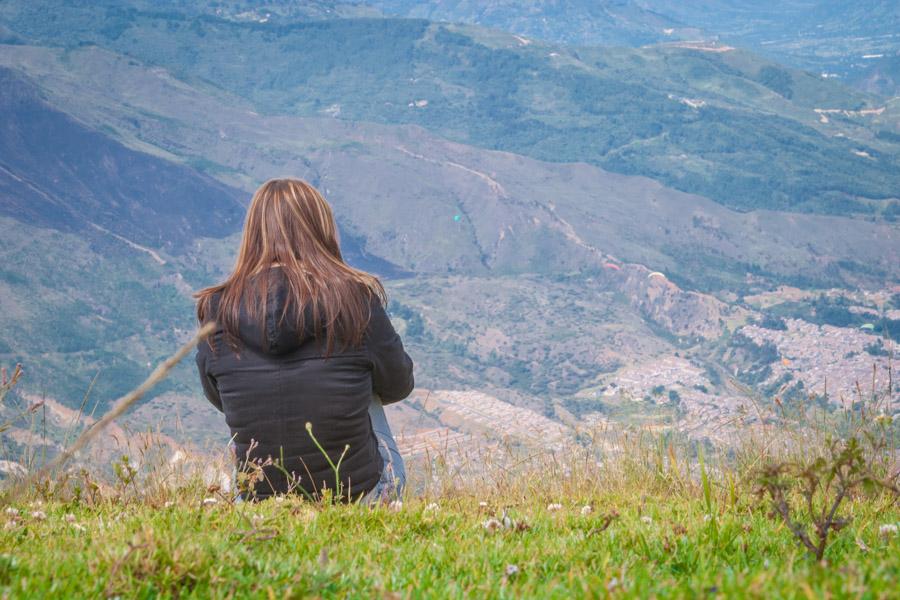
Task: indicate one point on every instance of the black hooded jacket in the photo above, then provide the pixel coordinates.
(278, 380)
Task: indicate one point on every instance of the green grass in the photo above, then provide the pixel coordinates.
(663, 542)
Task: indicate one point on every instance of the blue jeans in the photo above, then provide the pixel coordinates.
(393, 478)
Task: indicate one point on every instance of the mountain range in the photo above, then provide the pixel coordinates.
(542, 213)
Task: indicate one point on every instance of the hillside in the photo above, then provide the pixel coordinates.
(488, 89)
(552, 287)
(852, 40)
(57, 173)
(571, 22)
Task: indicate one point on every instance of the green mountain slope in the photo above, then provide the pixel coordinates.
(578, 22)
(834, 37)
(623, 110)
(432, 206)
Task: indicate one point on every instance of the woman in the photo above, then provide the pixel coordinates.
(303, 357)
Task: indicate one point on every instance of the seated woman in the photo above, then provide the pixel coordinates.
(303, 357)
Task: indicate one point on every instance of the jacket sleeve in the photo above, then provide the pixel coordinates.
(392, 368)
(210, 387)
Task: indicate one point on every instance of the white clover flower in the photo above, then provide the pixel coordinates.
(707, 518)
(646, 519)
(553, 507)
(38, 515)
(887, 530)
(11, 524)
(586, 510)
(432, 507)
(69, 518)
(79, 527)
(256, 520)
(168, 504)
(396, 505)
(482, 504)
(12, 512)
(492, 525)
(512, 570)
(210, 501)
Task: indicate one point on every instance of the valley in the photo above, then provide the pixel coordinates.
(571, 237)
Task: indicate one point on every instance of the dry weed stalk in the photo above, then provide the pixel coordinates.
(119, 407)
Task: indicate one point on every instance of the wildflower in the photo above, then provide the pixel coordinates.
(396, 505)
(884, 419)
(613, 584)
(707, 518)
(512, 570)
(887, 530)
(69, 518)
(256, 520)
(646, 519)
(210, 501)
(168, 504)
(492, 525)
(482, 504)
(279, 499)
(554, 507)
(11, 524)
(79, 527)
(38, 515)
(586, 510)
(432, 507)
(862, 545)
(12, 512)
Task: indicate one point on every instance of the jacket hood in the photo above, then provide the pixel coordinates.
(278, 333)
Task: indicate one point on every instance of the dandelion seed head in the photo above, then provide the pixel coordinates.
(492, 525)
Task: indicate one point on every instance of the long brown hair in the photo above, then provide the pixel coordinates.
(289, 224)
